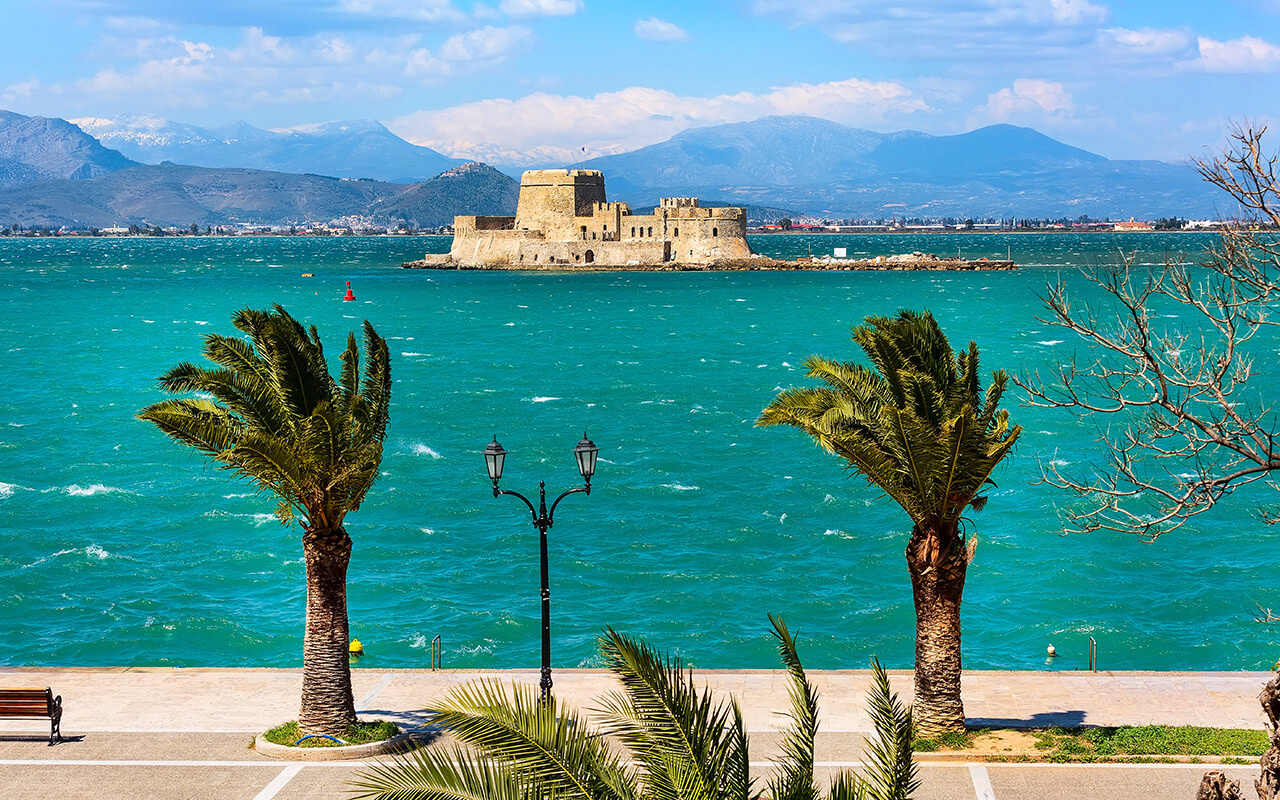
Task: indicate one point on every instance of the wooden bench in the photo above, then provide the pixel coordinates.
(33, 704)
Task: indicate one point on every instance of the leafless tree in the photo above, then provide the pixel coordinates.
(1189, 428)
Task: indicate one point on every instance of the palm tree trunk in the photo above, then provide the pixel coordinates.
(937, 591)
(327, 704)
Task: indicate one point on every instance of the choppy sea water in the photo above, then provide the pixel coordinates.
(118, 547)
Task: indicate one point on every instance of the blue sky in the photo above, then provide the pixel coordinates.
(1123, 78)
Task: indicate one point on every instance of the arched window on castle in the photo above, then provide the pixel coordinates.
(715, 231)
(675, 232)
(633, 231)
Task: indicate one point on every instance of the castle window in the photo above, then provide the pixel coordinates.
(715, 232)
(651, 231)
(584, 231)
(535, 256)
(593, 234)
(576, 257)
(590, 256)
(675, 232)
(633, 231)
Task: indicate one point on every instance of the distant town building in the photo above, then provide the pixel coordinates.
(1132, 226)
(563, 218)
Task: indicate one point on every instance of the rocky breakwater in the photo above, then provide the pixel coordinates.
(902, 262)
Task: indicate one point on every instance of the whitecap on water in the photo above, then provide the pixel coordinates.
(76, 490)
(96, 552)
(6, 489)
(543, 399)
(836, 532)
(423, 450)
(679, 487)
(1050, 342)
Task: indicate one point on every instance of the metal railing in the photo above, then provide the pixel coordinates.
(437, 654)
(1093, 654)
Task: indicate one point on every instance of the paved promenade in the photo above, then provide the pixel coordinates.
(178, 733)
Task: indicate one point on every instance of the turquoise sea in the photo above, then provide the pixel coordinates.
(118, 547)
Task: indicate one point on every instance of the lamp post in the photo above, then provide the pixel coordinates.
(585, 453)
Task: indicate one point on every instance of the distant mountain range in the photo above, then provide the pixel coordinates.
(359, 149)
(58, 174)
(830, 170)
(39, 148)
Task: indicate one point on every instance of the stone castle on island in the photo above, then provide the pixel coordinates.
(563, 221)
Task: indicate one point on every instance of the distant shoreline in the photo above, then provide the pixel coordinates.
(914, 262)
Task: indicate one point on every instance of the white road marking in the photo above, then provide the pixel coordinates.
(273, 788)
(373, 693)
(981, 782)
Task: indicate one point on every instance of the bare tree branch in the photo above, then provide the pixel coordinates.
(1193, 430)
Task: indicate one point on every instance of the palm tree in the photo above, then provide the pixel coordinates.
(278, 418)
(680, 743)
(917, 426)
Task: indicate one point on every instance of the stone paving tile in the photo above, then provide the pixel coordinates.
(154, 699)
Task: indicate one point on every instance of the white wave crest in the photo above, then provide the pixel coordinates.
(96, 552)
(6, 489)
(836, 532)
(544, 399)
(76, 490)
(1050, 342)
(680, 487)
(423, 450)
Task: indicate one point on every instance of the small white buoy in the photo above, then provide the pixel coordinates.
(1052, 652)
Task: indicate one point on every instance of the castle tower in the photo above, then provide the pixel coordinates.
(552, 199)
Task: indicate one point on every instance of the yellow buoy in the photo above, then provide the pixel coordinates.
(356, 647)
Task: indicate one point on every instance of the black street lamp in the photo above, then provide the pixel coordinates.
(585, 453)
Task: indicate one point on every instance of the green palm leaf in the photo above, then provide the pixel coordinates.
(689, 746)
(891, 774)
(795, 778)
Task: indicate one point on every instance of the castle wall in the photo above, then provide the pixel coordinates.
(563, 221)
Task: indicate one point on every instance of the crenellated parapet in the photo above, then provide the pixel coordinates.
(564, 218)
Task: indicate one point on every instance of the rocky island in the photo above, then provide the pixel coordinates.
(564, 222)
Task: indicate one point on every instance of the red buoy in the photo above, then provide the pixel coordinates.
(349, 296)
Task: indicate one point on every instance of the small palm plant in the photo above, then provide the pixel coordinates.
(916, 425)
(278, 418)
(662, 739)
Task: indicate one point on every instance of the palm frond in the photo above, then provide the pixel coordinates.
(794, 780)
(550, 745)
(891, 772)
(279, 418)
(688, 745)
(448, 773)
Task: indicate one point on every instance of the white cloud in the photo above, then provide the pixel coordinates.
(418, 10)
(981, 33)
(1246, 54)
(335, 50)
(1149, 41)
(485, 44)
(21, 89)
(1029, 99)
(659, 30)
(638, 116)
(541, 8)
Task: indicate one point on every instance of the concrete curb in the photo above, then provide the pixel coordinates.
(396, 744)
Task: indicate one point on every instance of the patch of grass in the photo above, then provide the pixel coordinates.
(948, 741)
(356, 733)
(1098, 744)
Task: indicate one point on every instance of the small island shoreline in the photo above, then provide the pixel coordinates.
(905, 262)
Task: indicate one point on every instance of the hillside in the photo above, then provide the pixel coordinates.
(471, 189)
(358, 149)
(170, 194)
(39, 148)
(821, 168)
